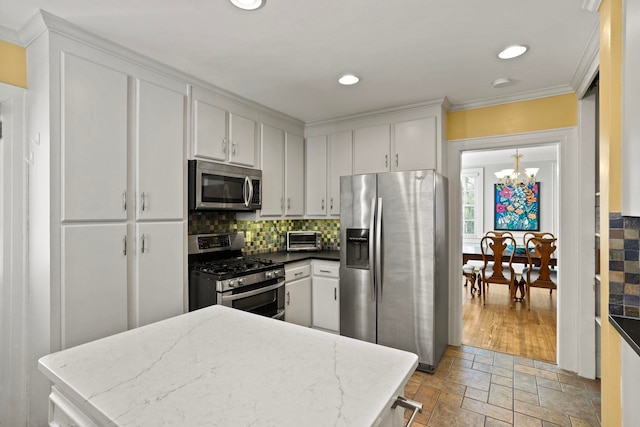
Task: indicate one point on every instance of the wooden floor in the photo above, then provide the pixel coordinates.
(517, 331)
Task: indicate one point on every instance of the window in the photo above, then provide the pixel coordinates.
(472, 202)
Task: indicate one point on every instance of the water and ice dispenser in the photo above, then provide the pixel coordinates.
(358, 248)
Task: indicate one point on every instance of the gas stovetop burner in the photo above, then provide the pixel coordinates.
(244, 265)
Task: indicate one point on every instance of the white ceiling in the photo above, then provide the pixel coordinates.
(288, 54)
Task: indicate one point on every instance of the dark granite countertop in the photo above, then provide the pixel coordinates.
(288, 257)
(629, 328)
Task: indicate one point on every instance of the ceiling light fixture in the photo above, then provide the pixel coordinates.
(513, 51)
(348, 79)
(501, 82)
(248, 4)
(517, 177)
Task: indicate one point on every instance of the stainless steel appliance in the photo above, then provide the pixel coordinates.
(214, 186)
(220, 274)
(393, 262)
(304, 241)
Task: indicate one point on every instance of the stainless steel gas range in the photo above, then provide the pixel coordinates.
(220, 274)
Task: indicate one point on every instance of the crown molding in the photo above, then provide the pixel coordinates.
(9, 35)
(44, 21)
(382, 112)
(591, 5)
(589, 63)
(516, 97)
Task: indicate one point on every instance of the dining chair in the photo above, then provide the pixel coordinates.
(492, 246)
(542, 276)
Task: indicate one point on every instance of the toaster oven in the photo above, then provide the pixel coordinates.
(304, 241)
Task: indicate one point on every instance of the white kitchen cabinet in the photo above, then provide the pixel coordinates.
(340, 164)
(272, 171)
(242, 140)
(325, 295)
(210, 131)
(294, 175)
(415, 145)
(372, 149)
(316, 175)
(160, 152)
(298, 293)
(159, 271)
(94, 282)
(94, 141)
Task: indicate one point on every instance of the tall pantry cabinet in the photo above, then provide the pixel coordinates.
(107, 205)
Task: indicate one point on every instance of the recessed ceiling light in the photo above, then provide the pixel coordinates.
(248, 4)
(501, 82)
(348, 79)
(513, 51)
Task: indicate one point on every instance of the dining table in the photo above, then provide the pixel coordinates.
(472, 252)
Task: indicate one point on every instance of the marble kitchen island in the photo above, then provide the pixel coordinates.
(223, 367)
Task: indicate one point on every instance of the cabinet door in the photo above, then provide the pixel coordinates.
(160, 271)
(316, 175)
(298, 302)
(415, 145)
(160, 152)
(94, 157)
(371, 148)
(242, 140)
(272, 171)
(326, 303)
(340, 164)
(94, 282)
(210, 131)
(294, 179)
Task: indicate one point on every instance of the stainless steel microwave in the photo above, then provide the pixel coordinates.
(304, 241)
(214, 186)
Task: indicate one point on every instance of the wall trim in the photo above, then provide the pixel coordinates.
(591, 5)
(570, 324)
(589, 63)
(523, 96)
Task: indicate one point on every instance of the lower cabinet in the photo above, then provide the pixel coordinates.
(298, 293)
(326, 296)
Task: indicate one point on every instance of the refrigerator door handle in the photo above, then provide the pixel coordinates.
(372, 225)
(378, 252)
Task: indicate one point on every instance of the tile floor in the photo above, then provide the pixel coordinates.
(475, 387)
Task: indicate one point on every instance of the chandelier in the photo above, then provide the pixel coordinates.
(516, 176)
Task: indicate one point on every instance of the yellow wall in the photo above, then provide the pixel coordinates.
(610, 194)
(13, 64)
(553, 112)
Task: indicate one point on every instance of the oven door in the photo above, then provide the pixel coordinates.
(264, 299)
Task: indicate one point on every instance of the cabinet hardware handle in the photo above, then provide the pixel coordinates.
(335, 294)
(322, 207)
(408, 404)
(288, 298)
(124, 200)
(386, 160)
(143, 243)
(143, 201)
(298, 274)
(288, 202)
(234, 148)
(124, 245)
(396, 159)
(281, 203)
(224, 145)
(325, 271)
(332, 203)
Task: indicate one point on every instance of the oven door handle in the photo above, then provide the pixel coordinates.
(252, 293)
(279, 315)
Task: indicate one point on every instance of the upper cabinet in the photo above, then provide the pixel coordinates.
(415, 145)
(316, 175)
(294, 175)
(94, 141)
(221, 135)
(340, 164)
(371, 149)
(160, 152)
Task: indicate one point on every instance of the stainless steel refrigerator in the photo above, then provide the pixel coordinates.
(394, 262)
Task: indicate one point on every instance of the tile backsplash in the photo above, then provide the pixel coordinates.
(264, 236)
(624, 268)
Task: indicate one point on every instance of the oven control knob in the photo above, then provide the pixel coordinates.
(240, 282)
(232, 284)
(269, 275)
